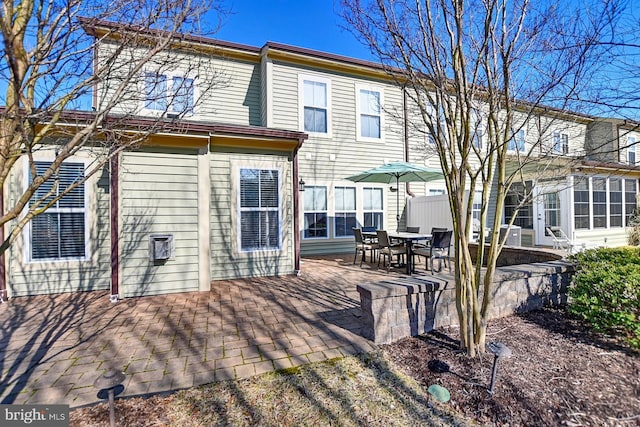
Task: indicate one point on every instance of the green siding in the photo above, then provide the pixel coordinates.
(159, 195)
(65, 276)
(227, 262)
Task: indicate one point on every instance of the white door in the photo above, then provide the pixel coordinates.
(548, 213)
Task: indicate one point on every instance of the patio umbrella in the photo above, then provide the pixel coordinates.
(398, 172)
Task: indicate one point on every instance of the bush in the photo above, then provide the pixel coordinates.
(633, 236)
(606, 291)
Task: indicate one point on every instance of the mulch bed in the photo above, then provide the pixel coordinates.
(560, 373)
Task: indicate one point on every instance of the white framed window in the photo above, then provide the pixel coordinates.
(61, 232)
(615, 202)
(259, 209)
(476, 208)
(370, 120)
(372, 205)
(630, 199)
(315, 104)
(599, 202)
(437, 192)
(174, 94)
(581, 203)
(516, 143)
(560, 143)
(477, 130)
(315, 212)
(631, 150)
(345, 211)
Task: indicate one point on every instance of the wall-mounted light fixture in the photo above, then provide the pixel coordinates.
(393, 189)
(301, 184)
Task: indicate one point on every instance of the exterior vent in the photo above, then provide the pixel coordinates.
(161, 247)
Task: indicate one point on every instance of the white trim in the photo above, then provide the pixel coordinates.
(169, 82)
(268, 71)
(358, 88)
(204, 219)
(316, 79)
(335, 210)
(27, 232)
(281, 189)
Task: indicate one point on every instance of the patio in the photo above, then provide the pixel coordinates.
(53, 347)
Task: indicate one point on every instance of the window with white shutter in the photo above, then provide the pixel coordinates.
(60, 232)
(259, 209)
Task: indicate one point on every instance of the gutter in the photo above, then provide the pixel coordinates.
(406, 136)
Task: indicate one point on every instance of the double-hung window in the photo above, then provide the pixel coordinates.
(60, 232)
(369, 122)
(259, 209)
(631, 150)
(316, 102)
(171, 94)
(315, 212)
(477, 130)
(345, 211)
(372, 207)
(516, 143)
(560, 143)
(518, 202)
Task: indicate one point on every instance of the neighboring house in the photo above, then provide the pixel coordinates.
(255, 176)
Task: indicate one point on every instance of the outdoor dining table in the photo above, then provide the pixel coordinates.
(409, 238)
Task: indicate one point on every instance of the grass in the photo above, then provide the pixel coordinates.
(362, 390)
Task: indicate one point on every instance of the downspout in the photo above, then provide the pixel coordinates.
(115, 212)
(3, 277)
(405, 113)
(296, 209)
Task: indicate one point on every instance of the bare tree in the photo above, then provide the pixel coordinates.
(59, 58)
(476, 73)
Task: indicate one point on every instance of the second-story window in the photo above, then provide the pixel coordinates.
(369, 125)
(516, 143)
(173, 94)
(560, 143)
(316, 102)
(477, 130)
(631, 150)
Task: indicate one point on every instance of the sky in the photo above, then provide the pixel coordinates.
(312, 24)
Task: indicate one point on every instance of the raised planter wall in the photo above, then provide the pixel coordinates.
(396, 309)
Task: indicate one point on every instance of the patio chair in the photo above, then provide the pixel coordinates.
(413, 229)
(440, 249)
(388, 250)
(362, 246)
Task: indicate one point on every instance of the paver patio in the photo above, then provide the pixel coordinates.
(53, 347)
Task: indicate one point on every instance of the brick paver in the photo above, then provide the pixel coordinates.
(53, 347)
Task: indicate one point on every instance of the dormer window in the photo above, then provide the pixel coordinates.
(171, 94)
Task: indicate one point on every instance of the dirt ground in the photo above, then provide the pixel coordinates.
(560, 373)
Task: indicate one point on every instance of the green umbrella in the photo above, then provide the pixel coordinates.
(398, 172)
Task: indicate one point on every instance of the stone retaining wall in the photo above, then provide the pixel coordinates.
(396, 309)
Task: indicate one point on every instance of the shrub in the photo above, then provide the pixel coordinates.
(606, 291)
(633, 236)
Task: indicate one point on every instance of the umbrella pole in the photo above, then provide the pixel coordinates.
(397, 204)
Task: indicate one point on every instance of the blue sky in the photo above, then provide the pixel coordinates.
(313, 24)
